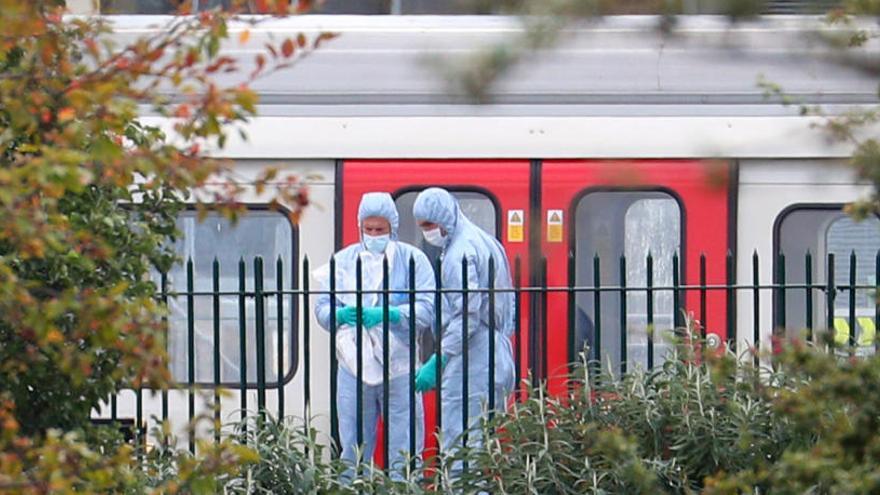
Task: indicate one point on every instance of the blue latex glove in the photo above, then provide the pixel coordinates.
(346, 316)
(374, 316)
(426, 377)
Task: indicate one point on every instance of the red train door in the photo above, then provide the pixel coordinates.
(493, 193)
(600, 221)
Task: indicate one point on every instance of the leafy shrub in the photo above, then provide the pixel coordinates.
(291, 460)
(838, 405)
(708, 417)
(716, 424)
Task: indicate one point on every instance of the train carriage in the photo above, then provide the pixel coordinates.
(623, 158)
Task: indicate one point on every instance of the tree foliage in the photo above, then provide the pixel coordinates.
(88, 201)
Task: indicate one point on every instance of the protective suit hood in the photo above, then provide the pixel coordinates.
(379, 204)
(438, 206)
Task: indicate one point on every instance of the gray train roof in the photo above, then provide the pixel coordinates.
(614, 66)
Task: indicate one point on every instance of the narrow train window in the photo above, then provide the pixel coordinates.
(632, 224)
(263, 233)
(477, 206)
(824, 230)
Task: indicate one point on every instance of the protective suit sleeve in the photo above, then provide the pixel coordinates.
(453, 304)
(424, 300)
(322, 310)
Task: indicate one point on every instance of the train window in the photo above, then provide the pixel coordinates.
(360, 7)
(633, 224)
(441, 7)
(147, 7)
(263, 233)
(477, 206)
(407, 7)
(169, 7)
(824, 230)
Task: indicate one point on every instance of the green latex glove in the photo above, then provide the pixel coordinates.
(374, 316)
(346, 316)
(426, 377)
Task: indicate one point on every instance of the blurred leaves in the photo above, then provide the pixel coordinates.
(88, 202)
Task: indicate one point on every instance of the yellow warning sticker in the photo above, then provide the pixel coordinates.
(515, 221)
(554, 225)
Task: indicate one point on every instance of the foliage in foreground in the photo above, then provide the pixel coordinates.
(88, 202)
(716, 426)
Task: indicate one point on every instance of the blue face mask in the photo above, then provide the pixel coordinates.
(376, 243)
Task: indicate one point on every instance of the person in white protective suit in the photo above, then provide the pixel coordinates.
(443, 224)
(378, 224)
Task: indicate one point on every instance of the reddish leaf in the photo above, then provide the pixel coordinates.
(272, 50)
(287, 48)
(66, 114)
(323, 37)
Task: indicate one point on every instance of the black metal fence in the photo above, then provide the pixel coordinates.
(259, 338)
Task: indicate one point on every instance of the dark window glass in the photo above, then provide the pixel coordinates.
(824, 231)
(267, 234)
(813, 7)
(359, 7)
(612, 224)
(149, 7)
(448, 7)
(167, 7)
(467, 7)
(477, 206)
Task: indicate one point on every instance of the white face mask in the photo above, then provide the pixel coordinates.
(376, 243)
(434, 237)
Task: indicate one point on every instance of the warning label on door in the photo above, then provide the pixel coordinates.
(554, 225)
(515, 220)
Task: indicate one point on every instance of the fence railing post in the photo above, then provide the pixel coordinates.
(808, 294)
(334, 364)
(545, 310)
(307, 342)
(517, 317)
(190, 349)
(623, 316)
(572, 352)
(165, 328)
(359, 371)
(242, 339)
(704, 323)
(756, 301)
(412, 362)
(649, 306)
(492, 324)
(780, 290)
(852, 302)
(597, 313)
(215, 299)
(279, 326)
(438, 356)
(260, 310)
(386, 378)
(730, 298)
(676, 293)
(830, 293)
(465, 318)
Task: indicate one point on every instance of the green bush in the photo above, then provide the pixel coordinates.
(291, 460)
(837, 404)
(696, 424)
